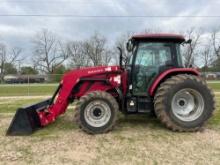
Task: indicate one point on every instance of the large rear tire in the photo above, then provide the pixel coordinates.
(96, 112)
(184, 103)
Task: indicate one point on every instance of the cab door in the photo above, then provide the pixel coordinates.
(150, 59)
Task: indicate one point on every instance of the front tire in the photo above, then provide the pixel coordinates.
(184, 103)
(96, 112)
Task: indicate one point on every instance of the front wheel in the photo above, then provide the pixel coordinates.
(184, 103)
(96, 112)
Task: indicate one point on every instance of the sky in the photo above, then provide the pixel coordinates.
(19, 30)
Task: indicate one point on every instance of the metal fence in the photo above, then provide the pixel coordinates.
(55, 78)
(29, 85)
(21, 79)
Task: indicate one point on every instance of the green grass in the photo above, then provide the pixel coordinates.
(130, 121)
(140, 121)
(62, 124)
(25, 90)
(10, 106)
(48, 89)
(136, 139)
(215, 120)
(215, 86)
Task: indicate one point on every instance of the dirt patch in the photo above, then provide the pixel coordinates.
(136, 141)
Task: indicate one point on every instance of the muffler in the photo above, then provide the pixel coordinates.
(26, 119)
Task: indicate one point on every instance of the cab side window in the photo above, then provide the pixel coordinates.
(145, 58)
(150, 58)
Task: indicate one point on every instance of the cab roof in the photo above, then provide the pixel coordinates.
(159, 37)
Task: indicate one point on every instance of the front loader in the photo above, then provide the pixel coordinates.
(152, 80)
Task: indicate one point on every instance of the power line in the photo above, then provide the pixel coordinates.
(78, 2)
(56, 1)
(31, 1)
(109, 16)
(53, 0)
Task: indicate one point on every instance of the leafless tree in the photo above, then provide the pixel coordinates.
(154, 30)
(95, 48)
(77, 55)
(2, 60)
(216, 42)
(108, 56)
(8, 57)
(121, 42)
(14, 54)
(207, 56)
(49, 51)
(15, 57)
(190, 50)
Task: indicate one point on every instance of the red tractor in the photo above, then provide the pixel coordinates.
(152, 80)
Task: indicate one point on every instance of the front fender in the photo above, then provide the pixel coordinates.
(170, 72)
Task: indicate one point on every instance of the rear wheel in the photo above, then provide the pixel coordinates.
(96, 112)
(184, 103)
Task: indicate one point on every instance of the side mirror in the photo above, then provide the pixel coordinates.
(189, 41)
(129, 46)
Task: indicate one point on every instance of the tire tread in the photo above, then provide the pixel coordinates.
(160, 95)
(84, 99)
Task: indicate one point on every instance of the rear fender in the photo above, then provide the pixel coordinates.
(168, 73)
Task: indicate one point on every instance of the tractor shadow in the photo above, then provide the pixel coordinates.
(139, 121)
(66, 123)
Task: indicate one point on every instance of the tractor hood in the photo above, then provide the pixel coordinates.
(100, 69)
(91, 71)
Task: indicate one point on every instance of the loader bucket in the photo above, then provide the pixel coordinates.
(26, 119)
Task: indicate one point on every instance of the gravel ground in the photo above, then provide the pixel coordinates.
(134, 141)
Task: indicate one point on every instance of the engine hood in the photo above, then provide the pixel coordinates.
(90, 71)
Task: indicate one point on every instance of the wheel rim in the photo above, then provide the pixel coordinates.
(97, 113)
(187, 105)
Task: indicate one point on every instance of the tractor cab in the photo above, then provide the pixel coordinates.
(151, 54)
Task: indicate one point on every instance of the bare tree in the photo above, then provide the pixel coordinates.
(121, 42)
(154, 30)
(49, 52)
(108, 56)
(95, 48)
(76, 52)
(190, 50)
(2, 60)
(15, 56)
(15, 53)
(8, 57)
(207, 57)
(215, 42)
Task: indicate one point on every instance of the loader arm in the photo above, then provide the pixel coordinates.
(69, 81)
(74, 84)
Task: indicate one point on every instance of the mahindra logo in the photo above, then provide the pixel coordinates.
(95, 71)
